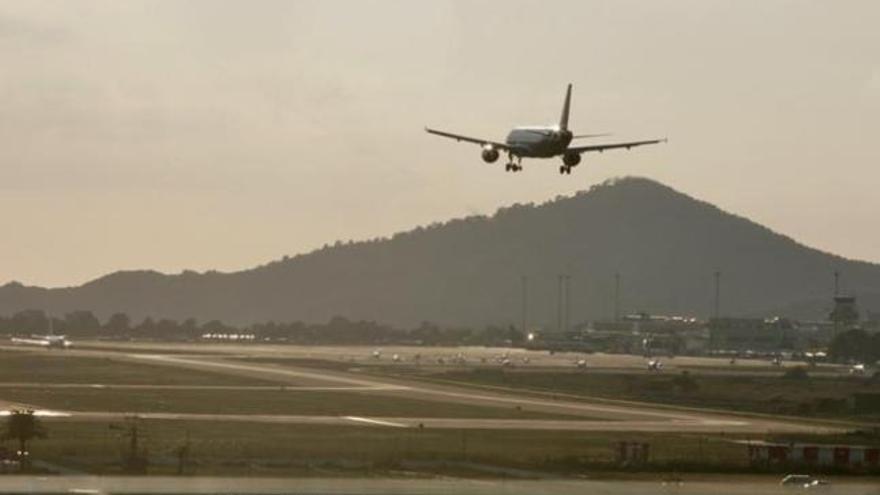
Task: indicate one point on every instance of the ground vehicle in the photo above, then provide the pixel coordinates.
(797, 479)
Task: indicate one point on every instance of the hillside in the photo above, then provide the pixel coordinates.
(665, 245)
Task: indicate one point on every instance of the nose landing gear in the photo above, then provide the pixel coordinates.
(565, 170)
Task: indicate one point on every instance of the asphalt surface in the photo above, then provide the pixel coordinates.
(374, 486)
(440, 423)
(601, 415)
(429, 356)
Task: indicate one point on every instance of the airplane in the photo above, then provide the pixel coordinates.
(857, 369)
(541, 142)
(655, 365)
(49, 341)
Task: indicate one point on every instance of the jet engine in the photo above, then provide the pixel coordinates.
(571, 159)
(490, 154)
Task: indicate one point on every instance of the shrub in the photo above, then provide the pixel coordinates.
(798, 373)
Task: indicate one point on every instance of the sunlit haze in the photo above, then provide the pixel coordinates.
(222, 135)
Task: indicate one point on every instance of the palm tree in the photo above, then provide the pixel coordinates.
(23, 426)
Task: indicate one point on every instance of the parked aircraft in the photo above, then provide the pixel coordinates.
(857, 369)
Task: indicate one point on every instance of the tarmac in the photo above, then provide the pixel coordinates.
(375, 486)
(582, 414)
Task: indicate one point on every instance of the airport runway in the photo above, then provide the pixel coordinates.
(584, 415)
(125, 386)
(696, 426)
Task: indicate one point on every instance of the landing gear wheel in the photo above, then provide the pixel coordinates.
(567, 170)
(562, 169)
(507, 167)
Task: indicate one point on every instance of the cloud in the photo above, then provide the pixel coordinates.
(17, 30)
(872, 86)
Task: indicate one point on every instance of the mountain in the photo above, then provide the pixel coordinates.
(665, 245)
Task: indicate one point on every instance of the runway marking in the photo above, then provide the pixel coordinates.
(671, 421)
(439, 423)
(723, 422)
(580, 406)
(279, 388)
(671, 416)
(42, 412)
(272, 370)
(427, 391)
(359, 419)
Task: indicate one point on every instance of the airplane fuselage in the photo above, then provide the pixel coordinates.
(538, 142)
(46, 341)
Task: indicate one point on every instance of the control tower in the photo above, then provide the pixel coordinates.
(845, 314)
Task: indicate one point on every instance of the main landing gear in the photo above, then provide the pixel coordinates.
(513, 167)
(565, 170)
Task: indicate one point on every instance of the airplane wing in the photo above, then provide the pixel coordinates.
(458, 137)
(603, 147)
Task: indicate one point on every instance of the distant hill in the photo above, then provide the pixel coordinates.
(665, 245)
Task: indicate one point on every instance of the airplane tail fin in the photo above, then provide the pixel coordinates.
(563, 120)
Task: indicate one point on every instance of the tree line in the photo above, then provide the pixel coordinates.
(339, 330)
(855, 345)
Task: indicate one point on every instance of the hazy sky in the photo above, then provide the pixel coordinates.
(219, 134)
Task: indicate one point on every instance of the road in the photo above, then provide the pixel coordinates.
(585, 415)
